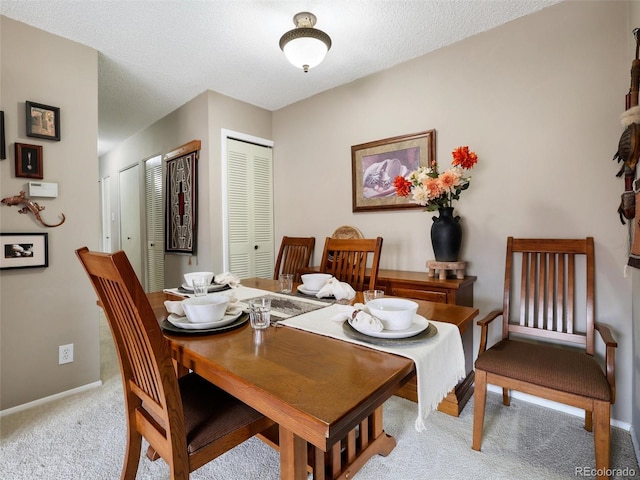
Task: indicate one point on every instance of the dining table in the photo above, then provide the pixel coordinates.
(324, 395)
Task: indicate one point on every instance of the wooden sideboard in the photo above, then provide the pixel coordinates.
(419, 285)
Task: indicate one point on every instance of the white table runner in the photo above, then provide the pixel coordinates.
(439, 360)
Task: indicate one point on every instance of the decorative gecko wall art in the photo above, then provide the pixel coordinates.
(29, 207)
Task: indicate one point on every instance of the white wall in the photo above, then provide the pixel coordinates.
(538, 99)
(43, 308)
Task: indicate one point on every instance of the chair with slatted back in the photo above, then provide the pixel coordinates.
(187, 421)
(548, 336)
(348, 259)
(295, 254)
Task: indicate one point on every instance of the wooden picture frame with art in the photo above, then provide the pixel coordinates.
(376, 164)
(28, 161)
(181, 199)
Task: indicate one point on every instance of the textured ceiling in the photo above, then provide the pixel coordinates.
(155, 55)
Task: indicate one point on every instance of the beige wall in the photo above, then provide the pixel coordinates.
(202, 119)
(538, 99)
(43, 308)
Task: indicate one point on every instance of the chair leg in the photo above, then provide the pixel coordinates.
(588, 421)
(506, 401)
(132, 455)
(179, 468)
(602, 436)
(480, 392)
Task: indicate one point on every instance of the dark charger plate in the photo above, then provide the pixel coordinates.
(351, 332)
(167, 326)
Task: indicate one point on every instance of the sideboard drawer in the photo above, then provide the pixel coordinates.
(429, 295)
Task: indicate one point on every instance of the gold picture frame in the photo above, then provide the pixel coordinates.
(376, 164)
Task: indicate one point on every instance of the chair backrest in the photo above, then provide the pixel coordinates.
(295, 253)
(149, 380)
(549, 290)
(347, 260)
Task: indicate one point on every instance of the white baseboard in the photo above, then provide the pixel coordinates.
(554, 405)
(50, 398)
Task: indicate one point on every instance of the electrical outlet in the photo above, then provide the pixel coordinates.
(65, 354)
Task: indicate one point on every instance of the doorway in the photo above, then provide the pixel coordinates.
(248, 183)
(129, 209)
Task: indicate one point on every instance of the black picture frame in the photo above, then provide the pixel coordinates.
(43, 121)
(24, 250)
(3, 145)
(28, 161)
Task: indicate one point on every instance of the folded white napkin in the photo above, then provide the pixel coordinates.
(340, 290)
(359, 318)
(175, 307)
(227, 278)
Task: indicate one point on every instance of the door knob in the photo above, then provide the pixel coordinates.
(255, 247)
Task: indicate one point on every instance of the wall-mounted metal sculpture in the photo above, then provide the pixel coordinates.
(29, 207)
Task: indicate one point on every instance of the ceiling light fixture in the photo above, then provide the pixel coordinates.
(305, 46)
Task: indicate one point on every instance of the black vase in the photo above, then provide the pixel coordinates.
(446, 235)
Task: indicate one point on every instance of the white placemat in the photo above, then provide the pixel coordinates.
(439, 360)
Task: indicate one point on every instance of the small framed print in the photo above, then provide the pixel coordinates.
(28, 161)
(43, 121)
(24, 250)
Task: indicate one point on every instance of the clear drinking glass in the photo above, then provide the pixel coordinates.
(200, 286)
(286, 282)
(372, 295)
(260, 313)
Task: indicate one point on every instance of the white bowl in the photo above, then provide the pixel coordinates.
(209, 308)
(188, 277)
(394, 313)
(315, 281)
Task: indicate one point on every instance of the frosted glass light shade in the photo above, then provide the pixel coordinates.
(305, 52)
(304, 46)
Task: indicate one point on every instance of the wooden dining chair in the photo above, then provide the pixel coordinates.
(187, 421)
(295, 254)
(348, 259)
(548, 300)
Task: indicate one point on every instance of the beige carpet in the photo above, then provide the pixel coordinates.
(83, 437)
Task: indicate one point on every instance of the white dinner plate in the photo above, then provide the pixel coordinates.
(214, 287)
(182, 322)
(306, 291)
(419, 324)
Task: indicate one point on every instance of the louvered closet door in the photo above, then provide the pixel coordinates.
(155, 232)
(250, 209)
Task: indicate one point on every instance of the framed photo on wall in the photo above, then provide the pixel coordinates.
(3, 147)
(43, 121)
(24, 250)
(375, 165)
(28, 161)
